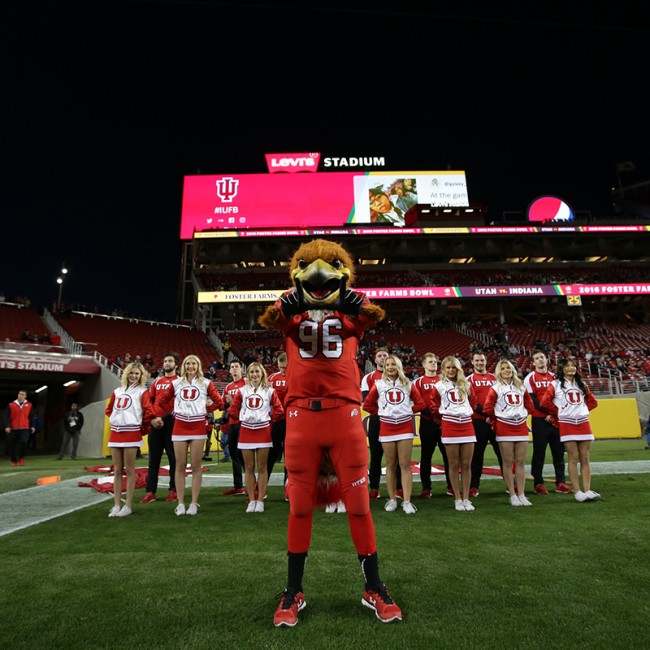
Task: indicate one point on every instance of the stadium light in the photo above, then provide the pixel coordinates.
(59, 281)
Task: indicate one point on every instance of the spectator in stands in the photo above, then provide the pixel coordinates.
(394, 398)
(160, 437)
(453, 402)
(430, 432)
(130, 413)
(191, 396)
(279, 427)
(570, 400)
(19, 422)
(508, 404)
(73, 422)
(238, 381)
(543, 430)
(376, 448)
(226, 349)
(481, 380)
(254, 406)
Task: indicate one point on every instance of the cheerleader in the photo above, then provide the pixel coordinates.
(394, 398)
(453, 403)
(129, 412)
(508, 404)
(191, 397)
(570, 400)
(255, 405)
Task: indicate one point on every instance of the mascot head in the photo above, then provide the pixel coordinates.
(323, 268)
(322, 273)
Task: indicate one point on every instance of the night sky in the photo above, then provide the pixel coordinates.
(107, 105)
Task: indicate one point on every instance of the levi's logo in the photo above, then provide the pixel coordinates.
(292, 162)
(227, 188)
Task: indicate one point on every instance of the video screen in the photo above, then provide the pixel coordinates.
(329, 199)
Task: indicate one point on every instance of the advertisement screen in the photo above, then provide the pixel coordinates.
(334, 199)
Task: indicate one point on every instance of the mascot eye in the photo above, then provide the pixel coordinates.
(302, 264)
(337, 264)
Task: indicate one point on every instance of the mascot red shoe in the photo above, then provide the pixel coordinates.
(323, 320)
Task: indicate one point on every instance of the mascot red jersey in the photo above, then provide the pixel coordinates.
(323, 320)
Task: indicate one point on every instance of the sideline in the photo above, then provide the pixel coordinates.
(35, 505)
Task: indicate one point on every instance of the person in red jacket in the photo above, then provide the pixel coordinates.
(19, 422)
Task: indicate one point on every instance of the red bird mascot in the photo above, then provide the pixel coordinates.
(323, 321)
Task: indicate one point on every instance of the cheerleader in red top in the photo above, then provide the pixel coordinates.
(255, 405)
(394, 398)
(570, 400)
(130, 413)
(509, 403)
(453, 402)
(191, 397)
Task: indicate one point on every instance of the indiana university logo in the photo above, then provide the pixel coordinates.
(227, 188)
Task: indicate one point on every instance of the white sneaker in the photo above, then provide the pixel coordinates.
(515, 501)
(458, 504)
(391, 505)
(259, 506)
(180, 509)
(409, 508)
(340, 508)
(592, 496)
(251, 506)
(330, 508)
(581, 496)
(467, 504)
(114, 511)
(193, 509)
(124, 512)
(524, 500)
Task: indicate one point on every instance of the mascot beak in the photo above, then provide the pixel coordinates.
(321, 282)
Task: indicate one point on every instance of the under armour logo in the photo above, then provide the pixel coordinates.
(293, 414)
(227, 188)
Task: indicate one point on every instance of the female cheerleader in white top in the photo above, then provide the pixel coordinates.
(394, 398)
(509, 403)
(191, 397)
(129, 412)
(570, 400)
(255, 405)
(452, 403)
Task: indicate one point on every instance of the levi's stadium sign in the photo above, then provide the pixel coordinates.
(309, 162)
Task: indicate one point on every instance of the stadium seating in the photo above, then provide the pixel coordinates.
(14, 320)
(113, 337)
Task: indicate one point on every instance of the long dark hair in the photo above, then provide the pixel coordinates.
(561, 365)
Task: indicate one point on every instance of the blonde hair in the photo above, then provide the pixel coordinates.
(403, 379)
(461, 381)
(264, 382)
(516, 380)
(135, 365)
(199, 369)
(428, 355)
